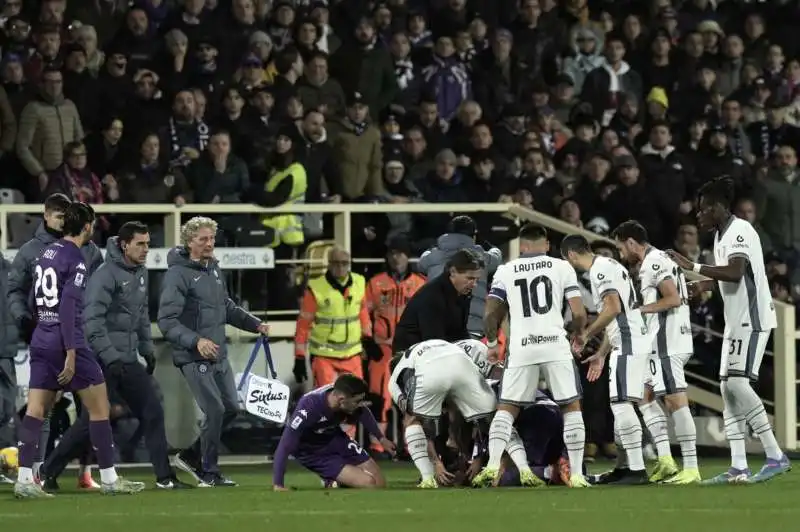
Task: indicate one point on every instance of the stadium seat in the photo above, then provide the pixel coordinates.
(20, 226)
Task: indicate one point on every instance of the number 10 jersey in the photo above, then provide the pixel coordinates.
(534, 287)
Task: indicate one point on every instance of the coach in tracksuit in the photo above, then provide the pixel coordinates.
(8, 373)
(192, 314)
(117, 326)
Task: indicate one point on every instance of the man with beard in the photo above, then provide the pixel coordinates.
(46, 125)
(716, 157)
(184, 137)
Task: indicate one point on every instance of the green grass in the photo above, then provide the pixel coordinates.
(254, 507)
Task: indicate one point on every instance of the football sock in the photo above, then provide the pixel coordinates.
(499, 434)
(686, 434)
(44, 439)
(103, 443)
(627, 424)
(417, 444)
(734, 428)
(574, 439)
(516, 450)
(656, 422)
(29, 432)
(622, 456)
(751, 407)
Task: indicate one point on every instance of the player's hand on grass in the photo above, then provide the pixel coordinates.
(68, 372)
(207, 348)
(474, 468)
(443, 476)
(596, 363)
(680, 260)
(388, 446)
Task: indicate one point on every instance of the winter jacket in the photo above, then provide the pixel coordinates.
(449, 82)
(359, 157)
(578, 66)
(8, 330)
(116, 312)
(195, 305)
(44, 129)
(433, 261)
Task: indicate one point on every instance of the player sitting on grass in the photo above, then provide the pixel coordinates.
(315, 438)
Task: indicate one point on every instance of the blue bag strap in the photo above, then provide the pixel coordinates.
(250, 362)
(268, 354)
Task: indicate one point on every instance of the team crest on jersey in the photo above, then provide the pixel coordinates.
(141, 281)
(81, 266)
(656, 267)
(740, 238)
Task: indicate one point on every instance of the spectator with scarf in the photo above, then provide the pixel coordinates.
(184, 137)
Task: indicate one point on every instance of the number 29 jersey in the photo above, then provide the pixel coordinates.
(534, 287)
(627, 332)
(59, 278)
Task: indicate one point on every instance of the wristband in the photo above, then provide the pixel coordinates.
(696, 267)
(491, 343)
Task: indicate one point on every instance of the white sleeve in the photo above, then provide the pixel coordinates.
(394, 388)
(740, 241)
(660, 270)
(570, 280)
(604, 278)
(499, 289)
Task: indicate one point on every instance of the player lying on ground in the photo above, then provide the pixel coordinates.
(531, 291)
(666, 312)
(448, 372)
(749, 319)
(60, 358)
(315, 438)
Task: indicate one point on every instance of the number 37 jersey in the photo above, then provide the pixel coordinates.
(627, 332)
(534, 288)
(59, 279)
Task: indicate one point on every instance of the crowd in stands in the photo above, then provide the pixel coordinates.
(591, 111)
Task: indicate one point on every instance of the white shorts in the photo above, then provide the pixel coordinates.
(626, 376)
(742, 353)
(665, 374)
(450, 377)
(519, 385)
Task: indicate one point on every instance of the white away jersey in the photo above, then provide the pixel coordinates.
(534, 287)
(673, 328)
(748, 303)
(627, 332)
(411, 359)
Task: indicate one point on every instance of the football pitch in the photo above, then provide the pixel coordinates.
(254, 506)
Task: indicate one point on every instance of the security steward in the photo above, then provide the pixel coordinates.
(333, 321)
(118, 331)
(440, 309)
(286, 186)
(388, 294)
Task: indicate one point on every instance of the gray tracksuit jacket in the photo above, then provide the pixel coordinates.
(432, 262)
(8, 330)
(115, 309)
(195, 304)
(20, 278)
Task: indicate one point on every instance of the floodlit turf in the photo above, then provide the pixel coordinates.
(254, 507)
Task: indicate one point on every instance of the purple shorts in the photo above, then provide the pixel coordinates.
(47, 364)
(328, 461)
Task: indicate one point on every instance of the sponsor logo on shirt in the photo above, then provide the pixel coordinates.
(539, 339)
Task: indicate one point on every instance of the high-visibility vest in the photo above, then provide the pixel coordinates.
(336, 332)
(288, 227)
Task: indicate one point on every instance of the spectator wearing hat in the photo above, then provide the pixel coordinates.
(446, 78)
(14, 83)
(251, 73)
(357, 147)
(715, 158)
(46, 125)
(632, 200)
(767, 135)
(86, 37)
(657, 104)
(318, 90)
(713, 35)
(364, 68)
(755, 109)
(207, 74)
(604, 85)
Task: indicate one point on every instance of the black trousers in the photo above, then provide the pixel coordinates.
(131, 384)
(597, 408)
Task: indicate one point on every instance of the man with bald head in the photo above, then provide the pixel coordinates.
(333, 320)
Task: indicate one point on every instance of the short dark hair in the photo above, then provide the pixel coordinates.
(131, 229)
(76, 217)
(57, 202)
(465, 260)
(532, 232)
(463, 225)
(576, 243)
(286, 59)
(349, 385)
(719, 191)
(630, 229)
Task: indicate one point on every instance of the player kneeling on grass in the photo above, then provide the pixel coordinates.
(315, 438)
(60, 358)
(455, 372)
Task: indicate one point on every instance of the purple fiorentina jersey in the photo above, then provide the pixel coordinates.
(314, 421)
(59, 278)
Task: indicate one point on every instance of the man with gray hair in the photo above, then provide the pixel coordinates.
(192, 314)
(461, 234)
